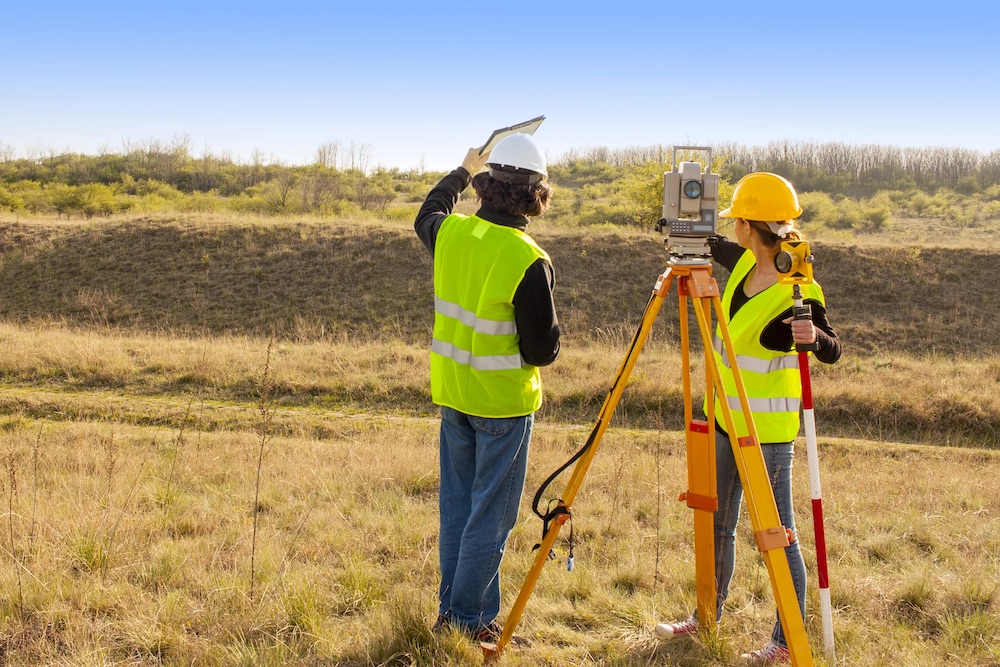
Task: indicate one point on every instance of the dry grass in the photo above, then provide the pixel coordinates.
(308, 279)
(131, 523)
(130, 433)
(58, 373)
(120, 567)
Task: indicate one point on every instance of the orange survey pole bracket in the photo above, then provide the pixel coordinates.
(699, 502)
(777, 537)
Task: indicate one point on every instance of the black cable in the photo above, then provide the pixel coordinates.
(561, 508)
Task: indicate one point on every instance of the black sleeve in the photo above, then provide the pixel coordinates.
(439, 205)
(777, 335)
(535, 315)
(725, 252)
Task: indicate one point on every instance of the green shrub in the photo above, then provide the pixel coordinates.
(248, 203)
(150, 203)
(919, 204)
(10, 201)
(818, 209)
(201, 202)
(401, 213)
(849, 215)
(875, 219)
(153, 187)
(991, 210)
(95, 199)
(35, 199)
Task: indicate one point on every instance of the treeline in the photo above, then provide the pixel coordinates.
(157, 177)
(833, 168)
(598, 185)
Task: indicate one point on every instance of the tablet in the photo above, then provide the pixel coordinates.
(527, 127)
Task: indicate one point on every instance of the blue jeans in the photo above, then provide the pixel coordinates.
(483, 466)
(778, 459)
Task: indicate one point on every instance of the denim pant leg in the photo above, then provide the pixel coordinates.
(730, 490)
(483, 467)
(458, 473)
(778, 459)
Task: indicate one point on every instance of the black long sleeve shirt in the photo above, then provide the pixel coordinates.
(777, 335)
(534, 308)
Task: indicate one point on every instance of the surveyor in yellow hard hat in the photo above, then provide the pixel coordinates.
(758, 311)
(494, 324)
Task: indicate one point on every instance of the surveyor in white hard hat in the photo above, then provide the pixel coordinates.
(495, 324)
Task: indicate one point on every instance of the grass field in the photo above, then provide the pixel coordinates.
(219, 449)
(133, 544)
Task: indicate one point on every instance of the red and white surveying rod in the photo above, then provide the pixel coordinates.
(812, 456)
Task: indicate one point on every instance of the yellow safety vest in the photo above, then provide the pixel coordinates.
(476, 364)
(771, 378)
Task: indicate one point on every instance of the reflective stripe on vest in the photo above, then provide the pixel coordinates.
(748, 363)
(771, 378)
(476, 364)
(469, 319)
(758, 405)
(479, 363)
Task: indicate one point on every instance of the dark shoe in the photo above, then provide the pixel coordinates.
(441, 624)
(486, 633)
(771, 654)
(490, 634)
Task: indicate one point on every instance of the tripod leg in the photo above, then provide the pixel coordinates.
(492, 652)
(702, 495)
(770, 534)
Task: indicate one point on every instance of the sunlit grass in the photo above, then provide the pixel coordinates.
(347, 551)
(140, 378)
(129, 441)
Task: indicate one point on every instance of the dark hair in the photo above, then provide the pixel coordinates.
(772, 240)
(512, 198)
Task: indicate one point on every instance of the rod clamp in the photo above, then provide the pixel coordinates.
(777, 537)
(697, 501)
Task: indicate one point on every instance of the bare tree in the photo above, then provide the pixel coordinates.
(319, 187)
(281, 187)
(359, 157)
(327, 154)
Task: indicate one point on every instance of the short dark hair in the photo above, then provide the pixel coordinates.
(512, 198)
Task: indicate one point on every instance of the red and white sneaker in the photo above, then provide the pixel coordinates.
(771, 654)
(671, 630)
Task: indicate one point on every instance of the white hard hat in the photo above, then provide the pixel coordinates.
(518, 151)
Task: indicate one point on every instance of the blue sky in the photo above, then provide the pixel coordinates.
(418, 83)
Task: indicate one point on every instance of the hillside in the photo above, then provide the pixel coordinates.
(307, 280)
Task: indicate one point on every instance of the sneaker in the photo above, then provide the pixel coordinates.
(486, 633)
(441, 624)
(771, 654)
(490, 634)
(671, 630)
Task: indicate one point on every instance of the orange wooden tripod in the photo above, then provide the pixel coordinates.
(695, 282)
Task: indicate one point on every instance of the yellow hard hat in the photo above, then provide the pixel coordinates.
(765, 197)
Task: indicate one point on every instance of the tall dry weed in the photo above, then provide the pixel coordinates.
(15, 554)
(263, 428)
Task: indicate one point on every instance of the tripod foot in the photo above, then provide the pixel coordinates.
(490, 652)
